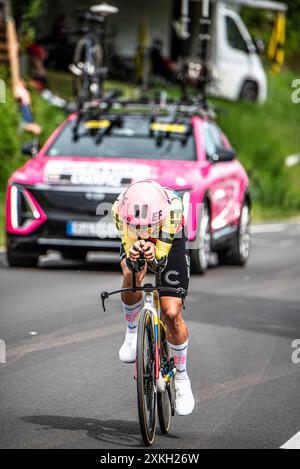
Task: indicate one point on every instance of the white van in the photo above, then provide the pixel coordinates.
(237, 69)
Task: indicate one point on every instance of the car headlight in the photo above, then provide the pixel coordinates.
(24, 214)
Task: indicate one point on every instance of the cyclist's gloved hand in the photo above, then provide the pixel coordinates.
(136, 251)
(149, 250)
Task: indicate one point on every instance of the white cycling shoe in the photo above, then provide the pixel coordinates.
(127, 352)
(185, 402)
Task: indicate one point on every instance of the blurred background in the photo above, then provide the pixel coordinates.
(144, 47)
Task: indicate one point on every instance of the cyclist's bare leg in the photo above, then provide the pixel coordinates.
(131, 303)
(177, 331)
(177, 337)
(131, 298)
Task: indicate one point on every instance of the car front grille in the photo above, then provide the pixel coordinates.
(60, 204)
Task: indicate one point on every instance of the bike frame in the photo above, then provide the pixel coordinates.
(151, 304)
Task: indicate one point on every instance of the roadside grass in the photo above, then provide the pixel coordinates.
(9, 137)
(11, 140)
(263, 137)
(61, 83)
(48, 116)
(272, 214)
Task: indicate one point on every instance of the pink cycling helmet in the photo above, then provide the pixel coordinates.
(144, 204)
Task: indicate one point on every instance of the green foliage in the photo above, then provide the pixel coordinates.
(9, 136)
(293, 28)
(27, 9)
(12, 138)
(263, 137)
(24, 12)
(261, 22)
(49, 117)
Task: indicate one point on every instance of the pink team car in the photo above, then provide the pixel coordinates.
(61, 199)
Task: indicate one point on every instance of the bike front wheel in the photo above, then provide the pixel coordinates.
(146, 378)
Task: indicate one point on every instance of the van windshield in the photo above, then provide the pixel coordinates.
(234, 36)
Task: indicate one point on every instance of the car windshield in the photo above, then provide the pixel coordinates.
(132, 139)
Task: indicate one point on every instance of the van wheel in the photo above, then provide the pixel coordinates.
(249, 92)
(200, 256)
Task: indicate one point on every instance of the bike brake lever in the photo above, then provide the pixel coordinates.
(104, 296)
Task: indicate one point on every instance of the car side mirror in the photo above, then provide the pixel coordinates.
(31, 148)
(223, 155)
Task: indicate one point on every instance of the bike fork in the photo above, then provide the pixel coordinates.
(149, 306)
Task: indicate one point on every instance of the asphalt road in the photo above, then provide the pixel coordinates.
(64, 387)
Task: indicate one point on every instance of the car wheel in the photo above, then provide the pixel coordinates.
(200, 256)
(239, 251)
(249, 92)
(21, 260)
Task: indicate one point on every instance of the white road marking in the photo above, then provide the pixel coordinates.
(51, 341)
(287, 243)
(271, 244)
(293, 443)
(272, 228)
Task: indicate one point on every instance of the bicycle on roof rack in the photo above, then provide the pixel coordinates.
(154, 107)
(154, 368)
(89, 66)
(169, 120)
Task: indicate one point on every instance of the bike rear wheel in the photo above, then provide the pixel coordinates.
(146, 379)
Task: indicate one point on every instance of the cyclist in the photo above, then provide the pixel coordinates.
(150, 221)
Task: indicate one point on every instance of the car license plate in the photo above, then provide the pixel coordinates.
(101, 229)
